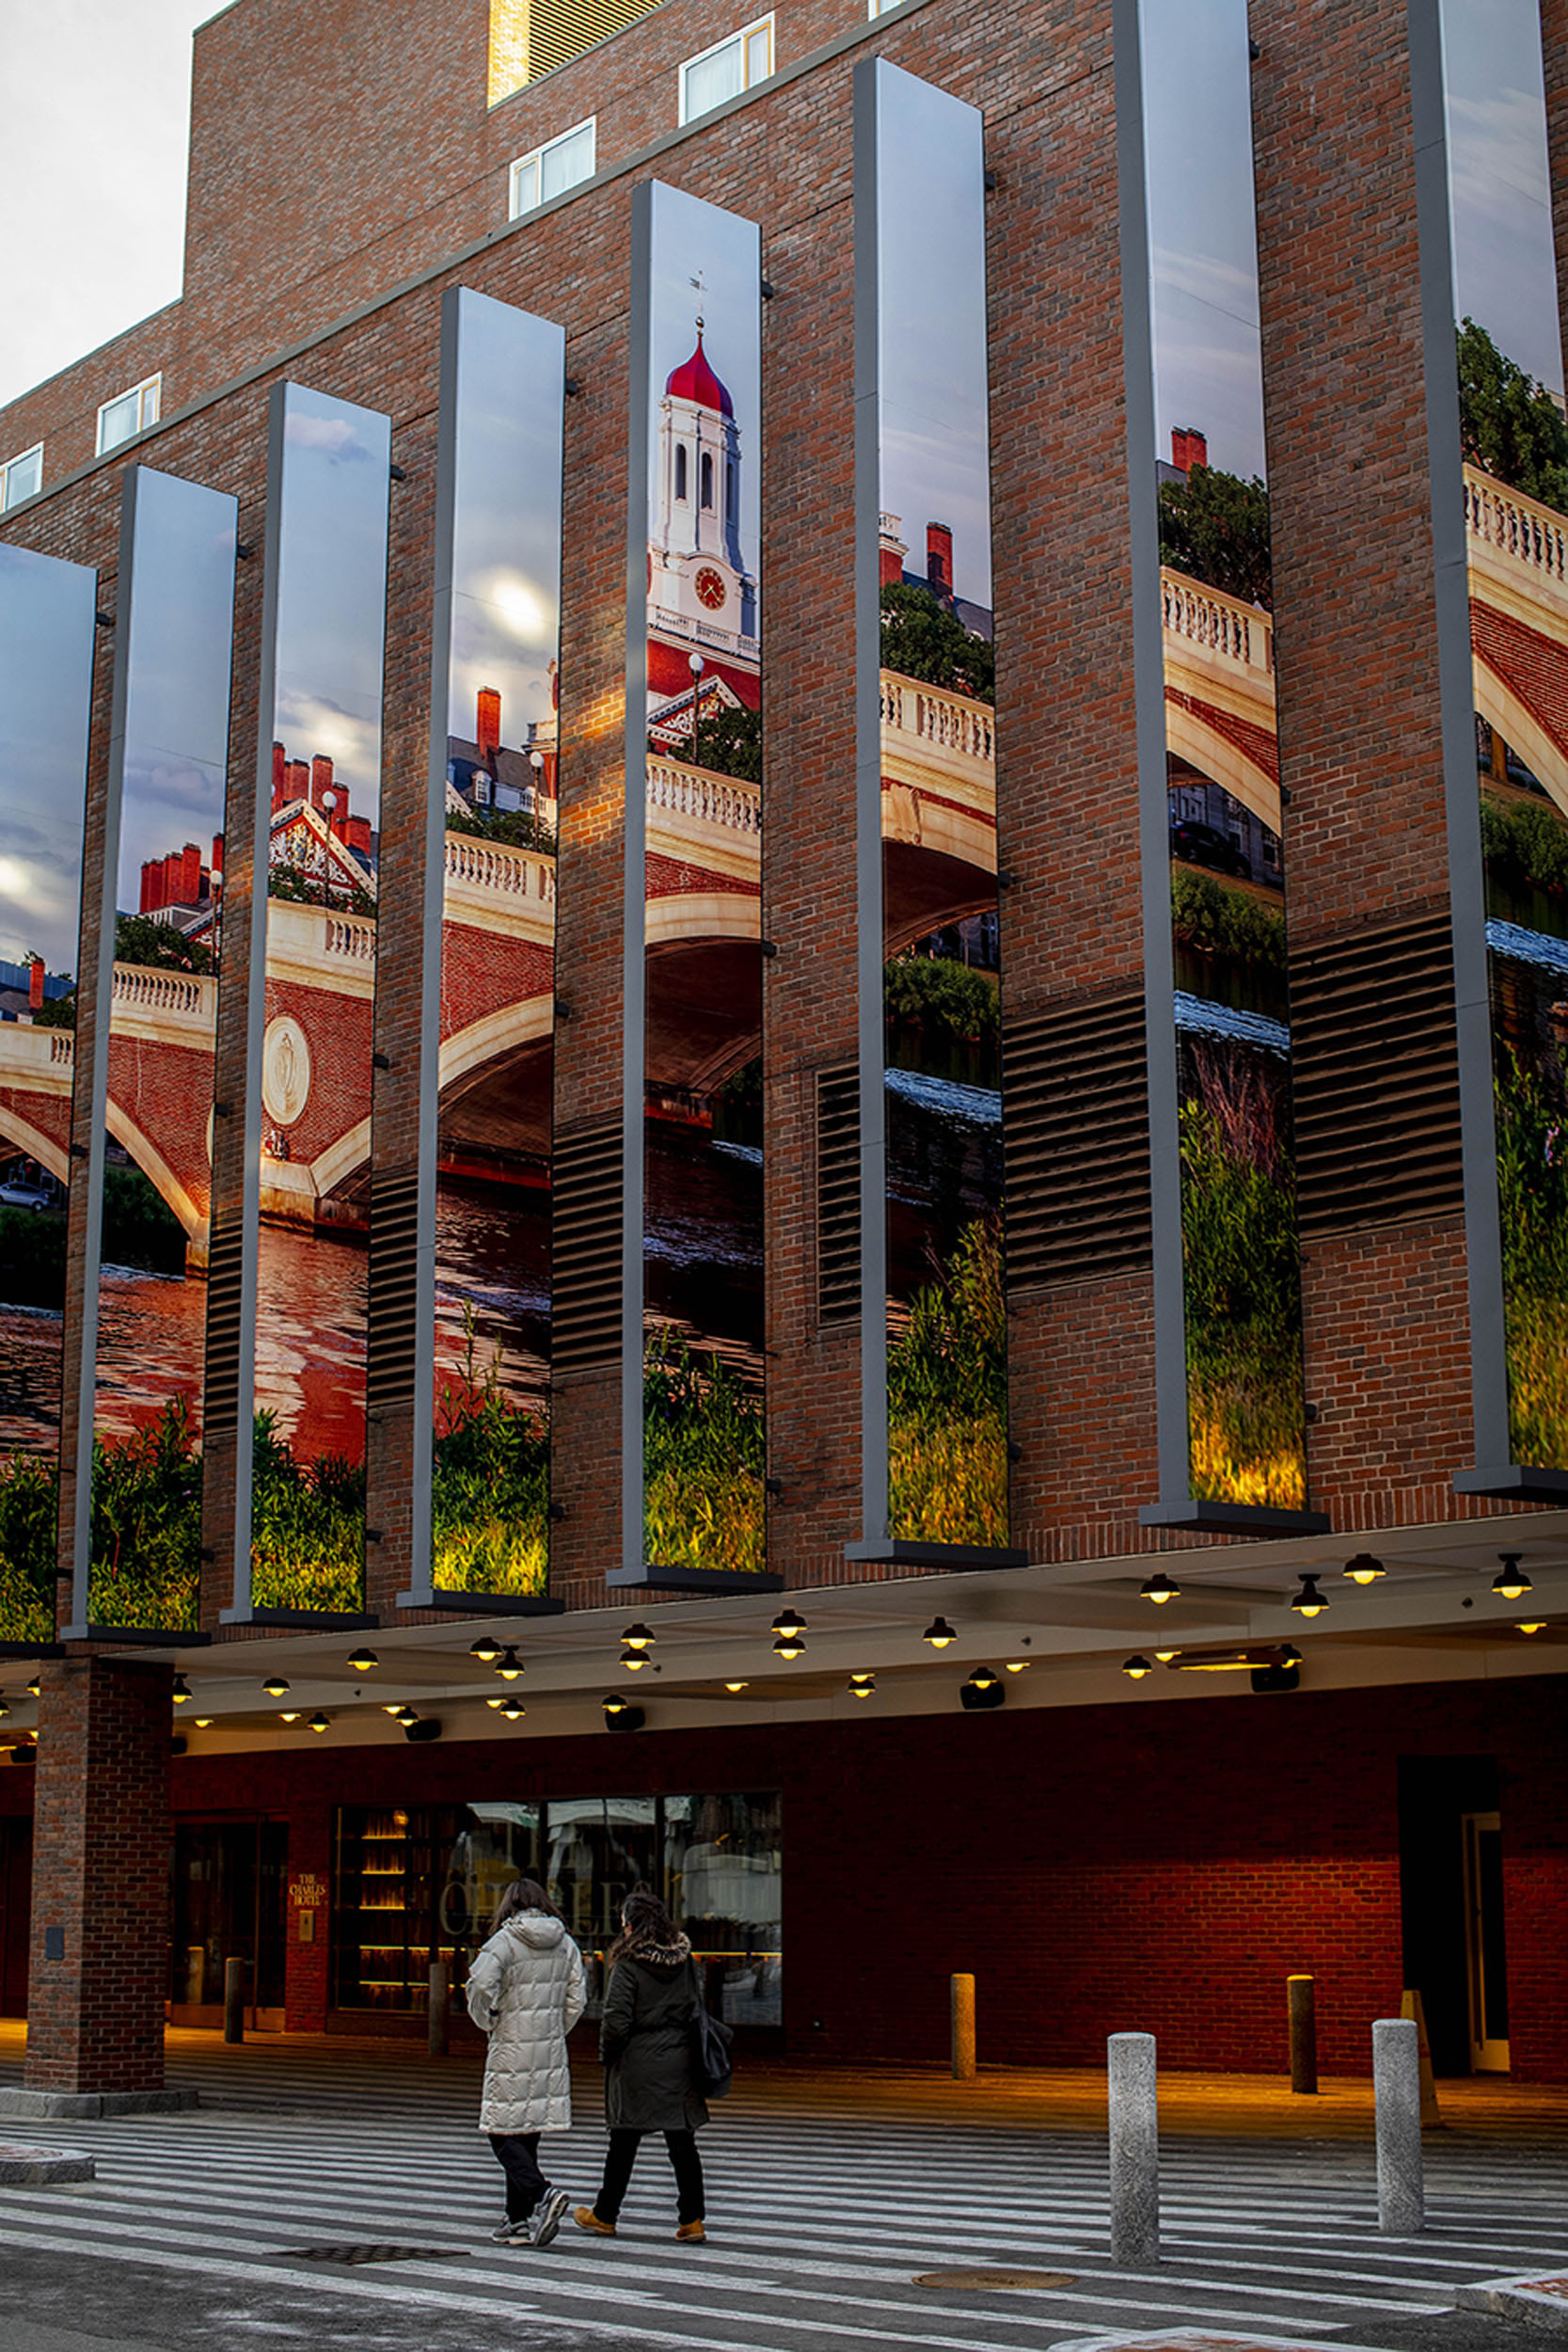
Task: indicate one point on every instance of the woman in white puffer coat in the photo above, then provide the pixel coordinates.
(527, 1991)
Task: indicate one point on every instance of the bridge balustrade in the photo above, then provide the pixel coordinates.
(1239, 632)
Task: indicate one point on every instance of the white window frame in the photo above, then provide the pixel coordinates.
(534, 161)
(9, 466)
(881, 7)
(759, 26)
(148, 397)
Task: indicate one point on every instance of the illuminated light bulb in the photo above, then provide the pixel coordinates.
(984, 1680)
(737, 1686)
(1137, 1668)
(861, 1686)
(486, 1649)
(1536, 1624)
(394, 1707)
(406, 1716)
(4, 1708)
(276, 1685)
(1159, 1587)
(320, 1722)
(182, 1691)
(1364, 1569)
(362, 1660)
(290, 1715)
(501, 1702)
(789, 1646)
(613, 1704)
(203, 1723)
(513, 1708)
(633, 1659)
(938, 1633)
(511, 1666)
(1510, 1579)
(33, 1688)
(1166, 1656)
(1015, 1665)
(637, 1637)
(788, 1622)
(1308, 1603)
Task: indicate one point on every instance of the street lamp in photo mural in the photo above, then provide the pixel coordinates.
(695, 1441)
(934, 1408)
(1229, 1344)
(46, 662)
(1489, 271)
(482, 1313)
(300, 1481)
(138, 1486)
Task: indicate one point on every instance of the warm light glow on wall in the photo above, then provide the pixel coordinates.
(507, 47)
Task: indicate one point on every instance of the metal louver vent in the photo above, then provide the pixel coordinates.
(1376, 1078)
(585, 1248)
(1075, 1121)
(838, 1195)
(220, 1410)
(390, 1321)
(558, 30)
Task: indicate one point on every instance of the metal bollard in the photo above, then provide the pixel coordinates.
(439, 2008)
(1304, 2033)
(234, 2000)
(1397, 2085)
(1134, 2150)
(964, 2068)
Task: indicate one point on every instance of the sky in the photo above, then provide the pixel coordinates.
(692, 239)
(1505, 274)
(46, 613)
(92, 173)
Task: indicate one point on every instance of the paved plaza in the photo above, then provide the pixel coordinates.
(831, 2198)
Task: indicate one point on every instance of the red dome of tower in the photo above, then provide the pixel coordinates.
(695, 380)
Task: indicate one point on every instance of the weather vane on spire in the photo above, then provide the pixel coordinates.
(698, 282)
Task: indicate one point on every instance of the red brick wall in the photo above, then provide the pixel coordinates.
(101, 1874)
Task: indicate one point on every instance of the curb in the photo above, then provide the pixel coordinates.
(37, 2167)
(1538, 2303)
(88, 2105)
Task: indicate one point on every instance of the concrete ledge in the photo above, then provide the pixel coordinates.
(85, 2106)
(1538, 2303)
(36, 2168)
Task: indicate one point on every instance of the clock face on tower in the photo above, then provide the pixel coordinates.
(710, 588)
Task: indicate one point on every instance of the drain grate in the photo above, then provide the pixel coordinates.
(994, 2281)
(376, 2254)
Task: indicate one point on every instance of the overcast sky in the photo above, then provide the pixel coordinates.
(92, 173)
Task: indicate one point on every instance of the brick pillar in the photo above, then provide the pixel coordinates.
(99, 1934)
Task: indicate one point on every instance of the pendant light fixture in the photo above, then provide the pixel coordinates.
(938, 1633)
(486, 1650)
(320, 1722)
(276, 1685)
(362, 1660)
(863, 1686)
(633, 1659)
(787, 1622)
(789, 1646)
(182, 1691)
(637, 1637)
(511, 1666)
(1159, 1587)
(983, 1679)
(1308, 1603)
(1136, 1666)
(1510, 1579)
(513, 1708)
(1364, 1569)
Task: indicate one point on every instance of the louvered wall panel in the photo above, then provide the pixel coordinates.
(221, 1397)
(1075, 1109)
(1376, 1078)
(389, 1340)
(558, 30)
(838, 1194)
(585, 1248)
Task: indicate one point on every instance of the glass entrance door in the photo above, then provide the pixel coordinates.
(228, 1903)
(1486, 1955)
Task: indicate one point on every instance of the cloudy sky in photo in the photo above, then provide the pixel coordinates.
(46, 610)
(1505, 273)
(92, 173)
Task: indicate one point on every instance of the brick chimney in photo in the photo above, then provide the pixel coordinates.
(890, 552)
(1188, 446)
(35, 985)
(939, 561)
(488, 724)
(279, 777)
(298, 783)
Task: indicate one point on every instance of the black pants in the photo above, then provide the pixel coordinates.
(622, 2155)
(517, 2153)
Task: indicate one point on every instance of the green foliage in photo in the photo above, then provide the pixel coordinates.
(513, 828)
(921, 638)
(728, 740)
(703, 1459)
(141, 939)
(308, 1526)
(304, 888)
(950, 1003)
(145, 1559)
(1532, 1183)
(1231, 927)
(1508, 424)
(947, 1401)
(1242, 1285)
(1526, 847)
(29, 1518)
(1214, 526)
(490, 1484)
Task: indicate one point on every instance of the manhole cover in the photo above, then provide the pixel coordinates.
(376, 2254)
(995, 2280)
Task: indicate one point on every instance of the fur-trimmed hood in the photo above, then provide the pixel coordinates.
(653, 1951)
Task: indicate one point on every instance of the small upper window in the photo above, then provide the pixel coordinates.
(554, 168)
(727, 69)
(130, 413)
(881, 8)
(20, 477)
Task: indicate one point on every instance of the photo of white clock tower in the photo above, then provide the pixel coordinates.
(699, 588)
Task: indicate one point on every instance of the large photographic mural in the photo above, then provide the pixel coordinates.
(1515, 446)
(163, 902)
(46, 657)
(932, 1036)
(1241, 1261)
(494, 766)
(313, 1005)
(704, 1448)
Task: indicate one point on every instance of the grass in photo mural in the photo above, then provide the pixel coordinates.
(1241, 1287)
(704, 1458)
(29, 1508)
(1532, 1185)
(308, 1526)
(146, 1560)
(947, 1400)
(490, 1484)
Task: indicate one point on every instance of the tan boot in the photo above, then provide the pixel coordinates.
(690, 2234)
(586, 2218)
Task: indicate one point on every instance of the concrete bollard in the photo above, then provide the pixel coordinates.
(234, 2000)
(1397, 2085)
(1135, 2150)
(1302, 1994)
(965, 2067)
(439, 2018)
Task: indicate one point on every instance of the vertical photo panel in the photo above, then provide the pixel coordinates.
(495, 768)
(703, 1441)
(162, 898)
(943, 1318)
(1515, 445)
(46, 658)
(311, 1031)
(1240, 1258)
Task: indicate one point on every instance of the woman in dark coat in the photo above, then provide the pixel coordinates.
(645, 2040)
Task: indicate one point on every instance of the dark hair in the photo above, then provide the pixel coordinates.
(644, 1920)
(522, 1895)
